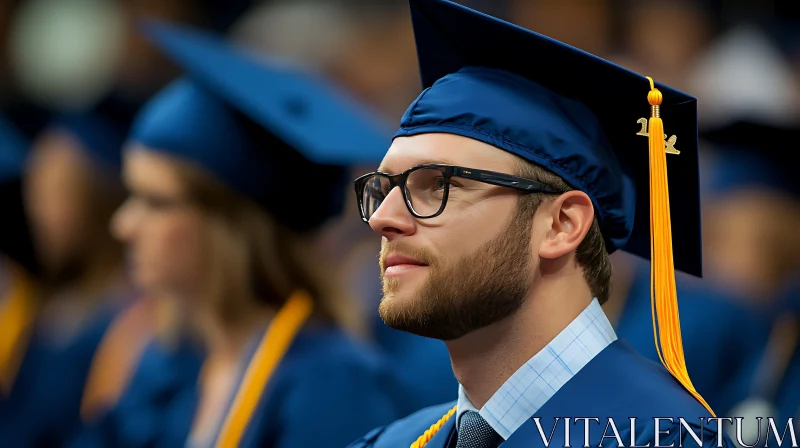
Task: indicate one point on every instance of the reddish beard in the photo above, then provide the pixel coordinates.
(464, 295)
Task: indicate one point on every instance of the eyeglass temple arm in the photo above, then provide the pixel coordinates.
(504, 180)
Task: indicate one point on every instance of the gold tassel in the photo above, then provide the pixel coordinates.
(273, 346)
(663, 294)
(18, 311)
(430, 432)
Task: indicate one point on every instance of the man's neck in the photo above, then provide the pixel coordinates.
(621, 284)
(485, 359)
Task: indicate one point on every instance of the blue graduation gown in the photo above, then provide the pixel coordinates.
(43, 407)
(326, 391)
(788, 400)
(784, 393)
(721, 338)
(617, 383)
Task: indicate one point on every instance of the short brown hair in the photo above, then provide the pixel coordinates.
(251, 256)
(591, 254)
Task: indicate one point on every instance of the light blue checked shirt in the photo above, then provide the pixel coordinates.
(542, 376)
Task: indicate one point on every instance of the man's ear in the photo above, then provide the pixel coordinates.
(571, 217)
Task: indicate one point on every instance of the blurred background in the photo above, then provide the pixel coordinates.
(740, 58)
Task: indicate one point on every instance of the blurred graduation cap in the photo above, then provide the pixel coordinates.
(752, 153)
(743, 73)
(274, 134)
(580, 117)
(15, 239)
(26, 117)
(13, 151)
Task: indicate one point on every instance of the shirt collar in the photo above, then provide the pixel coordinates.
(533, 384)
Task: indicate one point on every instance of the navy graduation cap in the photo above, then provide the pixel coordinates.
(752, 153)
(593, 123)
(13, 150)
(100, 129)
(280, 136)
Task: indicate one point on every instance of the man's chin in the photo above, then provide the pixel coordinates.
(394, 303)
(403, 313)
(396, 308)
(418, 325)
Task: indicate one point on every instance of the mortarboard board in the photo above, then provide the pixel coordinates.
(280, 136)
(751, 153)
(580, 117)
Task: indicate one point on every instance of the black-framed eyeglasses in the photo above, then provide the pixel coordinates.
(425, 188)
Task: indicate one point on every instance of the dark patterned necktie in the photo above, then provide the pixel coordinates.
(474, 432)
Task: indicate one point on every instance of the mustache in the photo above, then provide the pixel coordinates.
(423, 255)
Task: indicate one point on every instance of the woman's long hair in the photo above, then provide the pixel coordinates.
(249, 256)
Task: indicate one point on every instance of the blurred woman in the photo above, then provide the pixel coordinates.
(752, 247)
(71, 188)
(369, 50)
(232, 173)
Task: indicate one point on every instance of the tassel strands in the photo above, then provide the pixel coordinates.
(663, 291)
(430, 432)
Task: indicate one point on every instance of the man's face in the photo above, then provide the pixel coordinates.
(467, 268)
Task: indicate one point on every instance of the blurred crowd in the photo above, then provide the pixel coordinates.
(75, 323)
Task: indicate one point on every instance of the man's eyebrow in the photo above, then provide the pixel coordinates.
(382, 168)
